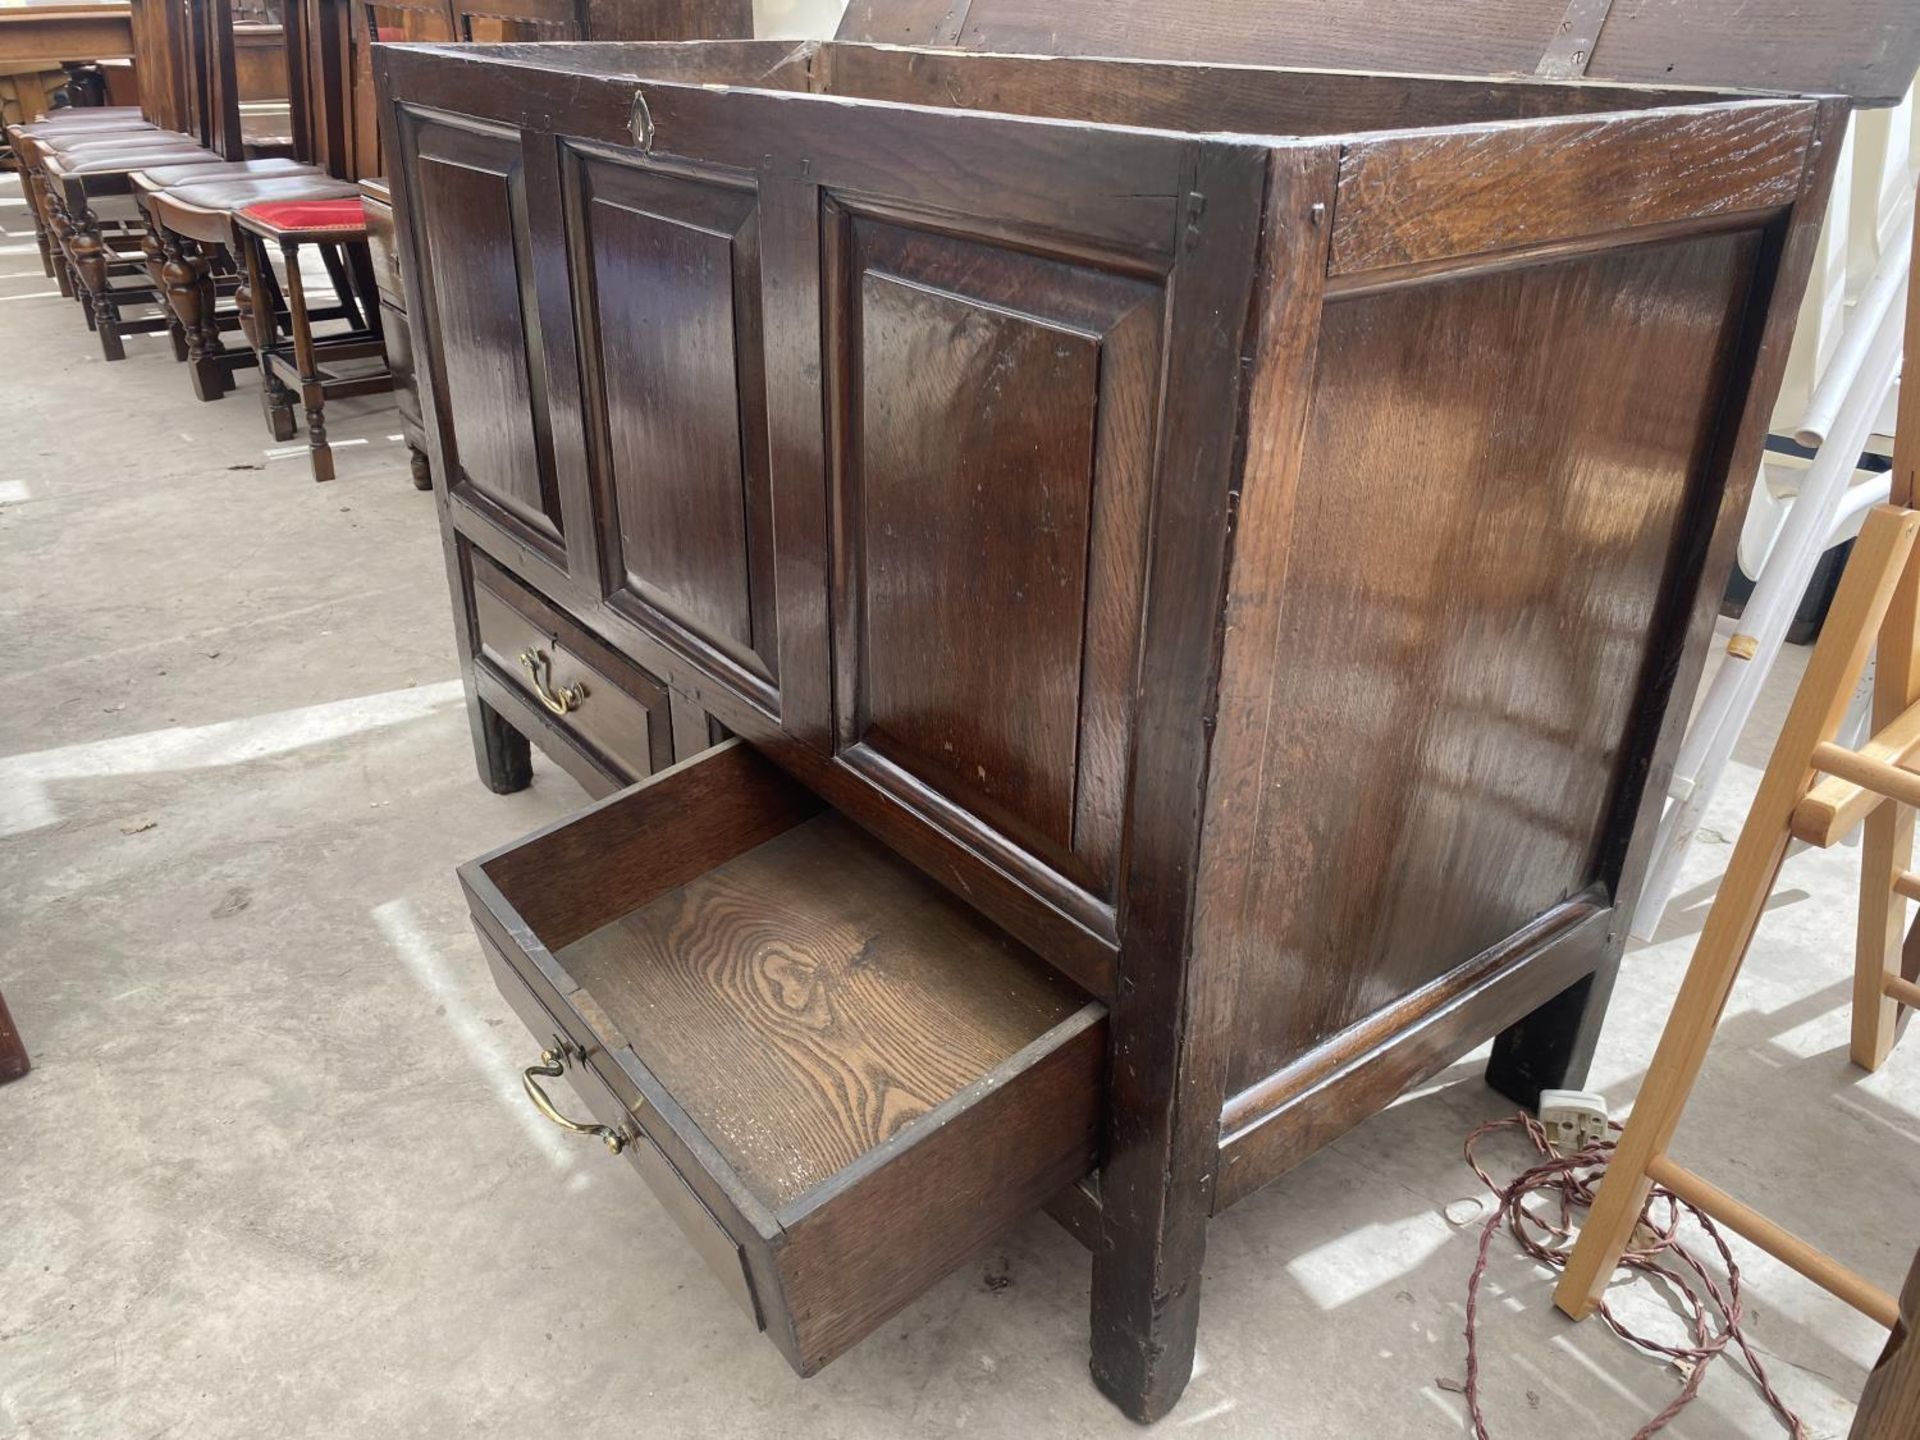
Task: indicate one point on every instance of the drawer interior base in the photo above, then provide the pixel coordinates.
(809, 999)
(852, 1077)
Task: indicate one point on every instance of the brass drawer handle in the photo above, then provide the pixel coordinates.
(540, 669)
(550, 1065)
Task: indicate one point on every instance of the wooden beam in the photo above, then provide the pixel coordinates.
(1786, 1247)
(1834, 806)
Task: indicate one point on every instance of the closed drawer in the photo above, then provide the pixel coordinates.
(397, 338)
(856, 1076)
(380, 241)
(600, 699)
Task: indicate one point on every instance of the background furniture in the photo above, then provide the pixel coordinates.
(336, 105)
(296, 361)
(49, 50)
(378, 201)
(1015, 454)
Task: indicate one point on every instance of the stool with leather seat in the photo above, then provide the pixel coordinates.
(321, 367)
(194, 223)
(213, 362)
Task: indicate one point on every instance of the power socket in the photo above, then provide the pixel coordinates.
(1574, 1119)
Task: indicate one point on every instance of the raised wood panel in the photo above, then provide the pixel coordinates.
(470, 209)
(1497, 465)
(975, 583)
(994, 417)
(668, 271)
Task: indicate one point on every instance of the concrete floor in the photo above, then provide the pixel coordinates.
(272, 1174)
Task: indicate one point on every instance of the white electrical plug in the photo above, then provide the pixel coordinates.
(1574, 1119)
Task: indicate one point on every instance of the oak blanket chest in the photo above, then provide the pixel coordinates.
(1201, 565)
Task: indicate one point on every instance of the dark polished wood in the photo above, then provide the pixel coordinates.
(855, 1075)
(1253, 567)
(1865, 48)
(394, 332)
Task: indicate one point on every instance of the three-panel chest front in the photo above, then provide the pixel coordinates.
(1203, 565)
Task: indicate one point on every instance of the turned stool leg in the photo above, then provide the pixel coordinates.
(183, 300)
(13, 1050)
(190, 289)
(43, 233)
(254, 300)
(313, 392)
(153, 254)
(60, 234)
(36, 208)
(89, 253)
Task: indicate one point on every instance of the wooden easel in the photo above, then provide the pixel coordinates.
(1817, 791)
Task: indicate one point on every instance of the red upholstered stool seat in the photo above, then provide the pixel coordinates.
(304, 217)
(298, 362)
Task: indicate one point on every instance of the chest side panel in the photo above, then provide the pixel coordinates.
(1494, 474)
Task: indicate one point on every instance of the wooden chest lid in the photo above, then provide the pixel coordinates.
(1864, 48)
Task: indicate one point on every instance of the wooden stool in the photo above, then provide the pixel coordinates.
(301, 358)
(69, 124)
(93, 218)
(1877, 597)
(1817, 791)
(194, 249)
(153, 243)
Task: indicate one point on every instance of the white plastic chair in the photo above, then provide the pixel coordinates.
(1837, 399)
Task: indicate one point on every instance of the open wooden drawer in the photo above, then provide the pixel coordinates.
(838, 1078)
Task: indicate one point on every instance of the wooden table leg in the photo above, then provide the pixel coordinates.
(13, 1050)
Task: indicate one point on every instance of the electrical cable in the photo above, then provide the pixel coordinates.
(1569, 1181)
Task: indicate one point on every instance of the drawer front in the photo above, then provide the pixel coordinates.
(600, 700)
(709, 1240)
(859, 1079)
(398, 341)
(386, 258)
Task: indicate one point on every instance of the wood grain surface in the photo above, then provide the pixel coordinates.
(991, 502)
(1864, 48)
(813, 997)
(1448, 700)
(1405, 199)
